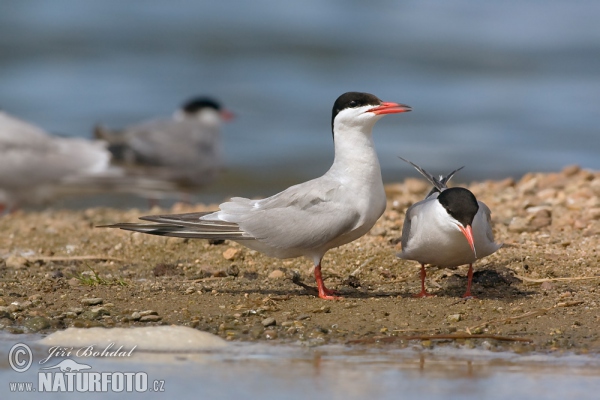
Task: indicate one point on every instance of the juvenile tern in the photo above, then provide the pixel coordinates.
(310, 218)
(450, 227)
(185, 149)
(33, 162)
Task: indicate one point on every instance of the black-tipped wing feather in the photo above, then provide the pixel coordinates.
(438, 184)
(185, 226)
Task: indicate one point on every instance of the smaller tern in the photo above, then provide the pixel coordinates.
(185, 149)
(450, 227)
(308, 219)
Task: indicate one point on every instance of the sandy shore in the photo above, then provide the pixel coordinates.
(539, 292)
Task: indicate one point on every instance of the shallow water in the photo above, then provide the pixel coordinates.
(270, 371)
(501, 89)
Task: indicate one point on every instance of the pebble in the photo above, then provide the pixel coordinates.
(4, 312)
(269, 322)
(231, 253)
(36, 324)
(277, 274)
(92, 301)
(135, 316)
(270, 334)
(453, 318)
(150, 318)
(16, 262)
(95, 313)
(147, 312)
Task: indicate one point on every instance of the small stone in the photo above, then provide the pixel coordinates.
(231, 253)
(378, 231)
(190, 290)
(256, 332)
(147, 312)
(74, 282)
(150, 318)
(277, 274)
(16, 262)
(270, 334)
(233, 270)
(269, 322)
(4, 312)
(545, 286)
(92, 301)
(36, 324)
(518, 225)
(95, 313)
(453, 318)
(135, 316)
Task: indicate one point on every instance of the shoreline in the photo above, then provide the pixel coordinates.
(538, 293)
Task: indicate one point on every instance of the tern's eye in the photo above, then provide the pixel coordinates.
(353, 103)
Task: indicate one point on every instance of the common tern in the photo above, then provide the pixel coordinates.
(450, 227)
(33, 163)
(310, 218)
(185, 149)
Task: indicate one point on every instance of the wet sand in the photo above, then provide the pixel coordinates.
(538, 293)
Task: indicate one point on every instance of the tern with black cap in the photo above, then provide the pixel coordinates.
(450, 227)
(184, 149)
(310, 218)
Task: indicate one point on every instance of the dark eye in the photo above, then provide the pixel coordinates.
(353, 103)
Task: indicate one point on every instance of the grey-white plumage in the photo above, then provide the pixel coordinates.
(185, 149)
(429, 236)
(450, 227)
(310, 218)
(33, 162)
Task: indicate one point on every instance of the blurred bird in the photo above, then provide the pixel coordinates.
(450, 227)
(33, 162)
(310, 218)
(185, 149)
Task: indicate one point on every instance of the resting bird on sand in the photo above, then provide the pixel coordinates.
(33, 163)
(310, 218)
(185, 149)
(450, 227)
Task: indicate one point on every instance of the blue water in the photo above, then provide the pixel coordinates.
(266, 371)
(501, 87)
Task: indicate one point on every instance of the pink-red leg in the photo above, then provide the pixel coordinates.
(324, 293)
(469, 280)
(423, 292)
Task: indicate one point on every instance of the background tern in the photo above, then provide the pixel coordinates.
(34, 163)
(185, 149)
(450, 227)
(310, 218)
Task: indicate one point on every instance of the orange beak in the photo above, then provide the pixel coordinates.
(227, 115)
(468, 232)
(390, 108)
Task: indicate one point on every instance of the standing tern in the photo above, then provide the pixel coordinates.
(185, 149)
(310, 218)
(450, 227)
(33, 163)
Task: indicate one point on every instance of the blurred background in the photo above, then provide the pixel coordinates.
(500, 87)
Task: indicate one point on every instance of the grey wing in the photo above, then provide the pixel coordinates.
(188, 225)
(407, 231)
(175, 143)
(488, 216)
(303, 216)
